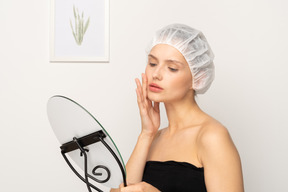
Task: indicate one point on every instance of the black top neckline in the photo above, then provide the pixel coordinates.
(172, 162)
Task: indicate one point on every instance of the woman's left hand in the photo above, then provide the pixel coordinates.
(139, 187)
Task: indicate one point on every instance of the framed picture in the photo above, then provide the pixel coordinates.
(79, 31)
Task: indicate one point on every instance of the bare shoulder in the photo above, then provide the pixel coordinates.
(214, 138)
(213, 131)
(218, 154)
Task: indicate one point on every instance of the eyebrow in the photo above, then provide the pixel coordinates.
(168, 60)
(174, 61)
(150, 55)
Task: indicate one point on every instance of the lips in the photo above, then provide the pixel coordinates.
(155, 88)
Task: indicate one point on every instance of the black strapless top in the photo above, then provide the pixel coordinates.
(172, 176)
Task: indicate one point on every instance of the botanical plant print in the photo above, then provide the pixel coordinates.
(79, 29)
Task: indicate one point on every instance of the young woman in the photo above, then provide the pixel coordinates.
(195, 151)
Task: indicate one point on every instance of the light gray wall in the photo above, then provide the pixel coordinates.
(249, 95)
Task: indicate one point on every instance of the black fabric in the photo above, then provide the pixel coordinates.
(172, 176)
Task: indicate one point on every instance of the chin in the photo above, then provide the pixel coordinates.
(155, 98)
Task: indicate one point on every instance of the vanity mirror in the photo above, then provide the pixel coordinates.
(84, 141)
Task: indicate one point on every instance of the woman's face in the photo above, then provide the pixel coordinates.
(168, 74)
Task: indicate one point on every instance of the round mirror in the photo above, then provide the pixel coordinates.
(70, 120)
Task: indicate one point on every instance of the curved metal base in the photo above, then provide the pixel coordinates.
(80, 143)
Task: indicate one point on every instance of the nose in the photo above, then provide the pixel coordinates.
(157, 74)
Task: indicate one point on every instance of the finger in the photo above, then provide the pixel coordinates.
(144, 85)
(143, 91)
(140, 99)
(121, 185)
(139, 90)
(131, 188)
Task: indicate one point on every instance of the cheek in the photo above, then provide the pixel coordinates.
(148, 72)
(188, 80)
(181, 86)
(184, 81)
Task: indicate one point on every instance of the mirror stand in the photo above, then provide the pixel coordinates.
(81, 143)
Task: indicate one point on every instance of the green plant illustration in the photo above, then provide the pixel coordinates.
(79, 29)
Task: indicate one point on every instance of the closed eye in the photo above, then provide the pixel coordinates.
(152, 64)
(172, 69)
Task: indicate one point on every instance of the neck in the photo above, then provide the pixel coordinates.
(182, 114)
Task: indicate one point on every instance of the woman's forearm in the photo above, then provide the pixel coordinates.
(136, 164)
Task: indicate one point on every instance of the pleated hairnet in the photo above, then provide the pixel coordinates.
(195, 49)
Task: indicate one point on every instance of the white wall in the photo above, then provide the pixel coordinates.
(249, 95)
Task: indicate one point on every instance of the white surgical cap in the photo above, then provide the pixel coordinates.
(195, 49)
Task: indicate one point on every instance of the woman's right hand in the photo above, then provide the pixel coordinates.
(139, 187)
(149, 111)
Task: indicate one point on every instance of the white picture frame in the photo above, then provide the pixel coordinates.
(79, 31)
